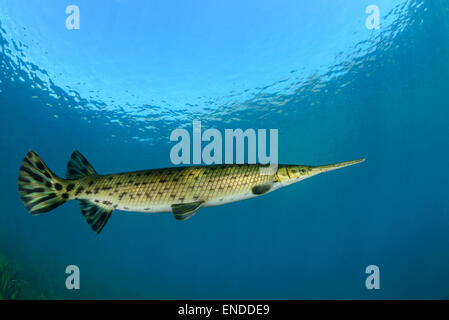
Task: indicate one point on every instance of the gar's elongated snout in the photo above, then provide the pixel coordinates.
(288, 174)
(329, 167)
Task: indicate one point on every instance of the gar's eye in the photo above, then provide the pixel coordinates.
(303, 171)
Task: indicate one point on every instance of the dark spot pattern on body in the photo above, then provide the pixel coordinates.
(58, 186)
(79, 190)
(122, 195)
(70, 187)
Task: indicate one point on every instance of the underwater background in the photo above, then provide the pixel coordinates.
(335, 90)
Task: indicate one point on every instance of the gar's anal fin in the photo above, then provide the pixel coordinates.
(95, 215)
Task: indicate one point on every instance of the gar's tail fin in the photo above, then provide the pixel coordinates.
(39, 188)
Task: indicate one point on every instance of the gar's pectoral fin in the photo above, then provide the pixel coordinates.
(262, 188)
(184, 211)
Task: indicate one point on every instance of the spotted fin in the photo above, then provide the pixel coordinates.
(262, 188)
(184, 211)
(39, 188)
(78, 166)
(95, 215)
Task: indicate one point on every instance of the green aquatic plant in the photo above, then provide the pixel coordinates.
(13, 285)
(10, 286)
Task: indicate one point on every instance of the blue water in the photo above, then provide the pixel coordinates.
(336, 91)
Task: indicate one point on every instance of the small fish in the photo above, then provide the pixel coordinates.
(181, 190)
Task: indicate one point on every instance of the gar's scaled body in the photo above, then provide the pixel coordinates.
(182, 190)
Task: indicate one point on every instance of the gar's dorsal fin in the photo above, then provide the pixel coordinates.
(184, 211)
(78, 166)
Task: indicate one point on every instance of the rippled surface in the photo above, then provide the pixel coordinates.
(336, 91)
(129, 68)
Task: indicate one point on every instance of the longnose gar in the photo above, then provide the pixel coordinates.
(182, 190)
